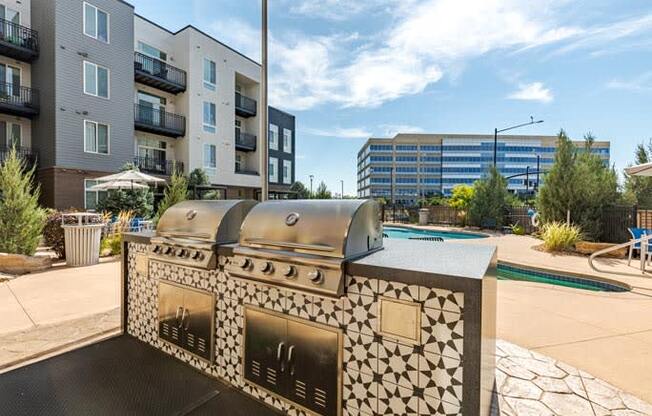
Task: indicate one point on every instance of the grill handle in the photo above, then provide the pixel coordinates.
(279, 356)
(176, 318)
(291, 359)
(289, 244)
(185, 317)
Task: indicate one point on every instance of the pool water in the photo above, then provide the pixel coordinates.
(407, 233)
(506, 272)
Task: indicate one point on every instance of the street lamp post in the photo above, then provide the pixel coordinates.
(264, 126)
(311, 177)
(496, 131)
(538, 170)
(342, 194)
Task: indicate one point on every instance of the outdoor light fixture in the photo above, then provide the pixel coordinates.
(496, 131)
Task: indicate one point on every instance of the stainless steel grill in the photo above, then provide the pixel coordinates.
(304, 244)
(189, 232)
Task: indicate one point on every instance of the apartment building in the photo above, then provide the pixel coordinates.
(281, 153)
(88, 85)
(19, 101)
(409, 167)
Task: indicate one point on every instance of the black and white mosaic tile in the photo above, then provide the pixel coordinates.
(360, 391)
(397, 400)
(398, 364)
(360, 352)
(360, 314)
(441, 378)
(442, 299)
(361, 285)
(442, 332)
(397, 290)
(328, 311)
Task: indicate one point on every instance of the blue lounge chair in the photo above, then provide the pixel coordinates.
(636, 234)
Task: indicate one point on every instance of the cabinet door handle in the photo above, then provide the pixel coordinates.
(291, 359)
(179, 323)
(279, 355)
(183, 317)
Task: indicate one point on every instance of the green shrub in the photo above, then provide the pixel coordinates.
(559, 236)
(487, 207)
(21, 217)
(517, 229)
(53, 234)
(175, 192)
(112, 245)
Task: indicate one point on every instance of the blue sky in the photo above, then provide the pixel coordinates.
(350, 69)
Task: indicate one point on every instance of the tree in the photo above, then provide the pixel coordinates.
(21, 218)
(198, 177)
(489, 199)
(322, 192)
(301, 190)
(139, 201)
(638, 189)
(175, 192)
(461, 197)
(579, 184)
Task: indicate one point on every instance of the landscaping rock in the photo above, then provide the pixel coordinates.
(20, 264)
(588, 247)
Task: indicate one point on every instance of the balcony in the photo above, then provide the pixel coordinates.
(158, 74)
(18, 42)
(244, 106)
(18, 101)
(160, 122)
(241, 171)
(157, 166)
(23, 152)
(245, 141)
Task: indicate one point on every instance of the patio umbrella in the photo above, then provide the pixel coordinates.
(117, 185)
(131, 176)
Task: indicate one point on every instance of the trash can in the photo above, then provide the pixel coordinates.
(82, 238)
(424, 216)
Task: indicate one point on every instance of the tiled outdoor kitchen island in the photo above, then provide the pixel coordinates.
(448, 369)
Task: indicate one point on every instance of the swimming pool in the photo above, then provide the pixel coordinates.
(407, 233)
(509, 272)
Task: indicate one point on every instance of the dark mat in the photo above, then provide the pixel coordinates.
(119, 376)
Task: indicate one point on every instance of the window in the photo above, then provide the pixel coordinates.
(209, 117)
(287, 172)
(287, 141)
(9, 14)
(9, 80)
(210, 74)
(91, 197)
(96, 137)
(151, 51)
(210, 158)
(238, 162)
(96, 23)
(14, 134)
(273, 137)
(96, 80)
(273, 170)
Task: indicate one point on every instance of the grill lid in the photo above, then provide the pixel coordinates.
(330, 228)
(207, 221)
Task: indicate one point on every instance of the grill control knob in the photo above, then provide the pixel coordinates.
(156, 249)
(316, 276)
(266, 267)
(243, 263)
(198, 255)
(182, 252)
(168, 250)
(289, 271)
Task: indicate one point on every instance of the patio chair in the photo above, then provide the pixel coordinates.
(638, 233)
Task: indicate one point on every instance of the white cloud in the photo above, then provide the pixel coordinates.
(340, 132)
(640, 83)
(534, 91)
(421, 45)
(391, 130)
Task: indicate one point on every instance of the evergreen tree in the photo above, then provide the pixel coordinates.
(638, 189)
(489, 201)
(323, 192)
(198, 177)
(139, 201)
(301, 190)
(557, 195)
(175, 192)
(21, 218)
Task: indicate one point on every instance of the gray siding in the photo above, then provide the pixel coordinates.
(71, 106)
(287, 121)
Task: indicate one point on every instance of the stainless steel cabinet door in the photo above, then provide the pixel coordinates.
(170, 309)
(197, 320)
(265, 350)
(313, 367)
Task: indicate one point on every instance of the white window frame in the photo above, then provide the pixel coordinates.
(273, 173)
(108, 23)
(208, 84)
(209, 128)
(287, 179)
(97, 193)
(97, 146)
(211, 170)
(273, 138)
(287, 146)
(97, 78)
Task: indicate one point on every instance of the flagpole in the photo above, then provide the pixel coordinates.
(264, 164)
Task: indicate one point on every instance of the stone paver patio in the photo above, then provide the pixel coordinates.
(531, 384)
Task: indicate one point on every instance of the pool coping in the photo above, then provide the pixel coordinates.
(601, 279)
(439, 230)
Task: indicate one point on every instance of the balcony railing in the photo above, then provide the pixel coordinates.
(245, 141)
(23, 152)
(157, 166)
(242, 171)
(159, 74)
(18, 41)
(244, 106)
(18, 101)
(157, 121)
